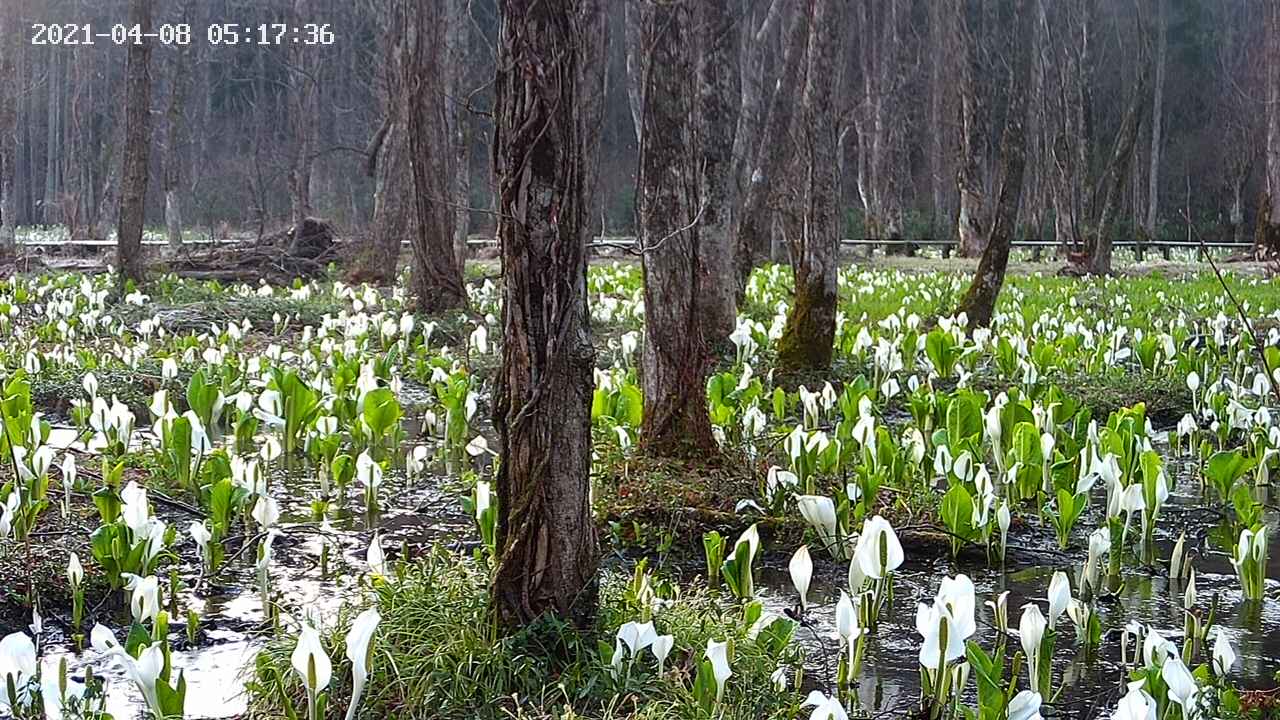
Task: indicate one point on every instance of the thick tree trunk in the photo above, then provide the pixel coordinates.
(387, 160)
(542, 403)
(137, 148)
(394, 215)
(718, 97)
(807, 340)
(754, 222)
(437, 274)
(979, 302)
(675, 357)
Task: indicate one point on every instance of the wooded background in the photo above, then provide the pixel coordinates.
(1139, 112)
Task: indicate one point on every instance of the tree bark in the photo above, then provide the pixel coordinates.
(979, 302)
(593, 84)
(675, 357)
(437, 274)
(1267, 237)
(303, 112)
(718, 97)
(754, 222)
(459, 122)
(542, 402)
(1112, 181)
(8, 133)
(175, 151)
(1157, 119)
(633, 14)
(971, 223)
(137, 148)
(808, 338)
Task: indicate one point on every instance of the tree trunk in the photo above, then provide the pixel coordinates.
(718, 96)
(979, 302)
(459, 122)
(1157, 119)
(137, 148)
(1112, 181)
(593, 84)
(175, 152)
(542, 402)
(8, 133)
(394, 216)
(941, 30)
(1267, 239)
(754, 222)
(971, 223)
(808, 338)
(303, 112)
(437, 274)
(632, 16)
(675, 357)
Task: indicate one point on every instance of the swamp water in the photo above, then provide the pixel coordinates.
(427, 510)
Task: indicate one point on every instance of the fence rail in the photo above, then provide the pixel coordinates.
(1140, 247)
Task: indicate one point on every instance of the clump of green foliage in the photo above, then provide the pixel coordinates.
(438, 654)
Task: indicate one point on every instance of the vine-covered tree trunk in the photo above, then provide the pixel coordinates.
(675, 357)
(979, 302)
(718, 105)
(755, 221)
(137, 147)
(542, 402)
(437, 273)
(808, 337)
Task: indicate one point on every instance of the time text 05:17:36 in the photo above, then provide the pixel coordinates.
(183, 34)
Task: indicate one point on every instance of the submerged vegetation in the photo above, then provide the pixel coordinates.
(948, 523)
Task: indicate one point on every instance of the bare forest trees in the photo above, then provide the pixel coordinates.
(8, 131)
(669, 210)
(542, 403)
(437, 270)
(880, 115)
(978, 303)
(137, 148)
(807, 339)
(766, 151)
